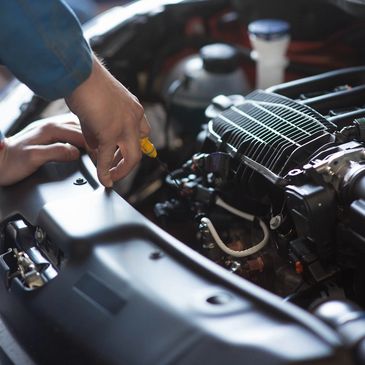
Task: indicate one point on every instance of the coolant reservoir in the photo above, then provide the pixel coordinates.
(270, 40)
(197, 79)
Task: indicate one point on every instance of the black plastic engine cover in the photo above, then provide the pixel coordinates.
(271, 130)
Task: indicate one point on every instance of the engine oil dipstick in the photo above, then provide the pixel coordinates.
(148, 149)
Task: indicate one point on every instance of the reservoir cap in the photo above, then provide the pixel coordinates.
(269, 29)
(219, 58)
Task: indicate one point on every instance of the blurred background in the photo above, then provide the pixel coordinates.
(87, 9)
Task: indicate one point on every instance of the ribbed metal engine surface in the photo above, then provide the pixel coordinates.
(272, 130)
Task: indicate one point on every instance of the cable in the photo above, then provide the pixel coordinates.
(249, 251)
(233, 210)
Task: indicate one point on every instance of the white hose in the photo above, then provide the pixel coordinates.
(247, 252)
(233, 210)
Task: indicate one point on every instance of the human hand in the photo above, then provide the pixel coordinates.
(112, 121)
(23, 153)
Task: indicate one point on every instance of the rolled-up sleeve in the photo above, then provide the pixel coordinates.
(41, 42)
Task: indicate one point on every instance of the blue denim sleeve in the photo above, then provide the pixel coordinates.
(41, 42)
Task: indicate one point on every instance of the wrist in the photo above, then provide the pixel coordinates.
(87, 93)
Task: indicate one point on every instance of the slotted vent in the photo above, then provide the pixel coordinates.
(272, 130)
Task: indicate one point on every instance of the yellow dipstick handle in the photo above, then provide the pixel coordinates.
(147, 147)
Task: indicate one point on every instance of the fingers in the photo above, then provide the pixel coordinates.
(145, 128)
(131, 153)
(57, 152)
(69, 133)
(38, 144)
(104, 161)
(117, 157)
(115, 163)
(92, 152)
(47, 133)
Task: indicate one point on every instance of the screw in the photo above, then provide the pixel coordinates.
(80, 181)
(156, 255)
(208, 246)
(276, 221)
(235, 266)
(203, 228)
(23, 107)
(219, 299)
(39, 235)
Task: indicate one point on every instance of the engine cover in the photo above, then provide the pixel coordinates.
(271, 130)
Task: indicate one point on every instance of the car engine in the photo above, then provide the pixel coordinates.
(275, 194)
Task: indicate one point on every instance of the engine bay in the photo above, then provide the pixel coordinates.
(267, 183)
(282, 184)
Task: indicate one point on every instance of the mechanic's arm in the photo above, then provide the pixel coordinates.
(112, 121)
(42, 43)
